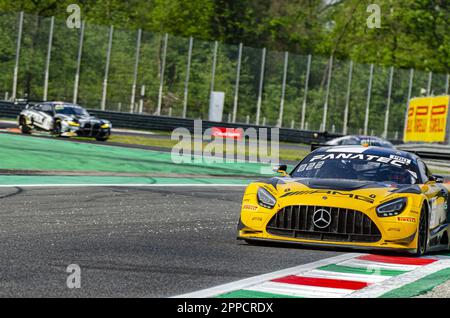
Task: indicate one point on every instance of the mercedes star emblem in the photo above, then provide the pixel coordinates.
(322, 218)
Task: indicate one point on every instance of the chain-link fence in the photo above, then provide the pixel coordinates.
(143, 72)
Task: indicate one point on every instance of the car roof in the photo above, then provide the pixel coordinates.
(371, 150)
(361, 137)
(53, 103)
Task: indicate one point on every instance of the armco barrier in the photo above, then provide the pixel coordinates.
(164, 123)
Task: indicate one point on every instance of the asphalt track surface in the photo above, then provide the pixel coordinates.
(129, 242)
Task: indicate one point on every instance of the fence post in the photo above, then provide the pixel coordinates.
(388, 104)
(430, 79)
(305, 96)
(327, 94)
(16, 66)
(108, 59)
(411, 82)
(347, 97)
(135, 73)
(77, 72)
(186, 81)
(261, 86)
(141, 100)
(49, 55)
(163, 69)
(213, 71)
(447, 80)
(369, 95)
(236, 89)
(283, 89)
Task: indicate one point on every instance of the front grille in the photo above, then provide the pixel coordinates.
(346, 225)
(90, 130)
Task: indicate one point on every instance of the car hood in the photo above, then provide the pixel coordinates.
(369, 191)
(78, 118)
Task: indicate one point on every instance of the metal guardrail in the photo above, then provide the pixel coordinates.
(164, 123)
(428, 151)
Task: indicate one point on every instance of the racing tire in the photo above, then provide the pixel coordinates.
(101, 138)
(24, 128)
(57, 129)
(422, 233)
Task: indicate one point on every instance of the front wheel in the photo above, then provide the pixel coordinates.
(24, 128)
(422, 233)
(57, 129)
(102, 138)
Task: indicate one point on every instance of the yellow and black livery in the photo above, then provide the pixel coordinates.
(357, 197)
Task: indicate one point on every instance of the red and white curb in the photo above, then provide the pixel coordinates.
(350, 275)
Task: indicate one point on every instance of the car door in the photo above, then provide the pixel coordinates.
(36, 116)
(437, 196)
(43, 116)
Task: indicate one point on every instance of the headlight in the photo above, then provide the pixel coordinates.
(74, 124)
(392, 208)
(265, 199)
(106, 125)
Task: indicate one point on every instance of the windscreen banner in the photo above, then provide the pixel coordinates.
(427, 120)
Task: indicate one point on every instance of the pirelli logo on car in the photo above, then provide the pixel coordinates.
(406, 219)
(250, 207)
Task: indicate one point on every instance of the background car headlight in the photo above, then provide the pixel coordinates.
(72, 123)
(392, 208)
(265, 199)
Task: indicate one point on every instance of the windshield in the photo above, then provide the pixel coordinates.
(357, 166)
(71, 110)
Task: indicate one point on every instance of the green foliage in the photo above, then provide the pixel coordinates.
(413, 34)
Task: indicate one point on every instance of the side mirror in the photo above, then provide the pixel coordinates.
(436, 178)
(281, 169)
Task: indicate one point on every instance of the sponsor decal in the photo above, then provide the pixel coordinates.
(401, 159)
(250, 207)
(257, 218)
(393, 160)
(394, 229)
(406, 219)
(369, 199)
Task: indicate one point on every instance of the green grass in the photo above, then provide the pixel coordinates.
(285, 154)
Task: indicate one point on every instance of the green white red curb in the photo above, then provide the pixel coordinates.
(345, 276)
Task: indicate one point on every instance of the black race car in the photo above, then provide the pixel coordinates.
(357, 140)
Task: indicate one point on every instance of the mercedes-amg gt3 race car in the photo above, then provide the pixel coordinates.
(351, 196)
(63, 119)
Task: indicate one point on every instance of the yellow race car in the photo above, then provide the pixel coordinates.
(351, 196)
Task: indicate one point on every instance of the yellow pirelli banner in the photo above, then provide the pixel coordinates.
(427, 119)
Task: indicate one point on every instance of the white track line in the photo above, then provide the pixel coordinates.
(359, 263)
(300, 290)
(372, 279)
(250, 282)
(401, 280)
(122, 185)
